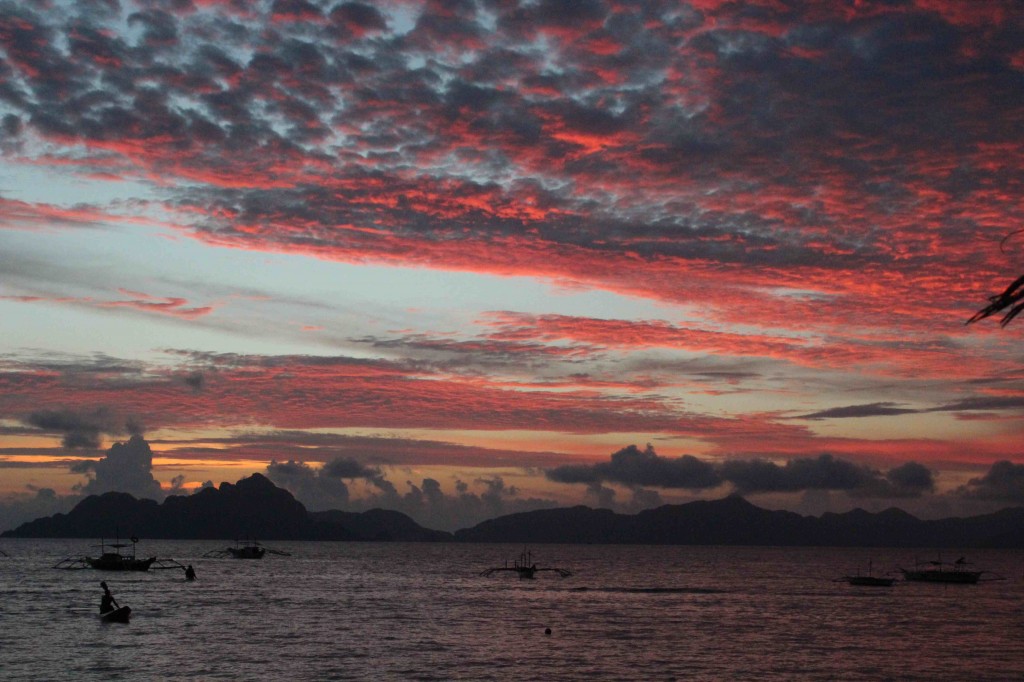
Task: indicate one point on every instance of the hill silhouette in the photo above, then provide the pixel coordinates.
(735, 521)
(254, 507)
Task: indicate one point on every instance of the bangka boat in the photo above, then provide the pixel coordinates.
(525, 568)
(253, 551)
(942, 572)
(115, 560)
(868, 580)
(118, 615)
(248, 550)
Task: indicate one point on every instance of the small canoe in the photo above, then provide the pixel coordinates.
(118, 615)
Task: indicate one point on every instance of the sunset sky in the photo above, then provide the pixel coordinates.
(468, 258)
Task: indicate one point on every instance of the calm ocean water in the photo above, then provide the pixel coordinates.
(376, 611)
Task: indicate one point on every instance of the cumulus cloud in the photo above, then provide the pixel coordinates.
(127, 467)
(318, 489)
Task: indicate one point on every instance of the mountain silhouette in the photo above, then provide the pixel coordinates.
(735, 521)
(255, 508)
(252, 508)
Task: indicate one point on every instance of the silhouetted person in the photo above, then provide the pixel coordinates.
(107, 601)
(190, 573)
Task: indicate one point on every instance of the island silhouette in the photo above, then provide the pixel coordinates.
(255, 507)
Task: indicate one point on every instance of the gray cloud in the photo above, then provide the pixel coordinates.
(80, 429)
(635, 467)
(870, 410)
(317, 490)
(1003, 483)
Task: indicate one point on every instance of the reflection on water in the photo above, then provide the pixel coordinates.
(421, 611)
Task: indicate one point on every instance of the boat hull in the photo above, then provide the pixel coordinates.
(956, 577)
(247, 552)
(119, 615)
(120, 563)
(869, 581)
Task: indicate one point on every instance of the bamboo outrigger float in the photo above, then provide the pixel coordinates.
(525, 568)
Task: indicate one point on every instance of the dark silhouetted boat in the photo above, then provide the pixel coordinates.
(525, 568)
(111, 558)
(119, 615)
(868, 580)
(942, 572)
(248, 550)
(116, 561)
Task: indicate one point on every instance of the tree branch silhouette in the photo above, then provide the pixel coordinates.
(1012, 298)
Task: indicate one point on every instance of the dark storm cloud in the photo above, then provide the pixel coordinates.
(633, 467)
(1003, 483)
(347, 467)
(823, 473)
(79, 429)
(313, 487)
(911, 479)
(826, 472)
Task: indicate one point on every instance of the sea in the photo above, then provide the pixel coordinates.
(424, 611)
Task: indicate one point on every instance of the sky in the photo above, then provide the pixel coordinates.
(463, 259)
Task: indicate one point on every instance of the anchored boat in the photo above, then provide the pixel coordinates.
(248, 550)
(111, 558)
(942, 572)
(525, 568)
(868, 580)
(114, 560)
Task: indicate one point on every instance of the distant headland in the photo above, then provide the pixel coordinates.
(254, 507)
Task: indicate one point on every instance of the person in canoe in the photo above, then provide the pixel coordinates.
(190, 573)
(107, 601)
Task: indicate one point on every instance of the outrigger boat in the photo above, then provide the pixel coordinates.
(868, 580)
(249, 550)
(525, 568)
(942, 572)
(114, 560)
